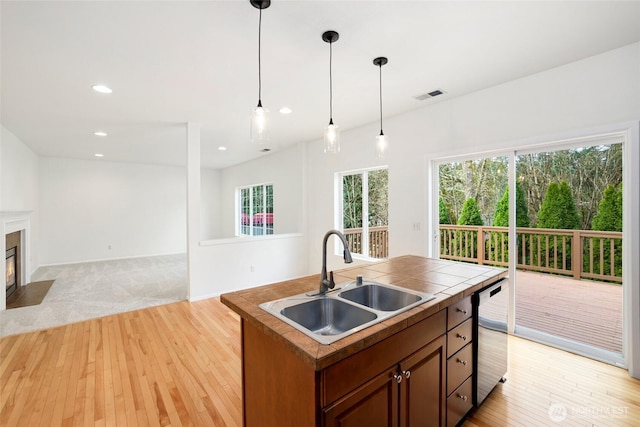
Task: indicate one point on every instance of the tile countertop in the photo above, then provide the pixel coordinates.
(449, 281)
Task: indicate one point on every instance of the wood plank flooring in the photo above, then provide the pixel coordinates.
(179, 364)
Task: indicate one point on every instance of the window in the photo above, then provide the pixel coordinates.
(364, 211)
(255, 210)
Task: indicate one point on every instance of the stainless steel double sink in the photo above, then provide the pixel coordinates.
(349, 308)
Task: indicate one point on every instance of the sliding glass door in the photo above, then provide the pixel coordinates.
(553, 216)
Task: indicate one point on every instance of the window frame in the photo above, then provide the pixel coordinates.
(266, 231)
(339, 212)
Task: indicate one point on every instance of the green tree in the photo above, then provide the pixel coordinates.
(445, 218)
(352, 202)
(470, 214)
(609, 216)
(558, 210)
(501, 217)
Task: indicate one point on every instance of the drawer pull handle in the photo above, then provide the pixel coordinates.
(406, 374)
(462, 362)
(398, 378)
(464, 337)
(464, 398)
(460, 310)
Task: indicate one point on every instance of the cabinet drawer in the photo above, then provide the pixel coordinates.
(459, 403)
(459, 312)
(459, 368)
(459, 336)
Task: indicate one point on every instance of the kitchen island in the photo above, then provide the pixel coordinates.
(412, 369)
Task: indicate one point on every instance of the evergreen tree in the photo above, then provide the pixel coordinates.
(558, 210)
(470, 214)
(444, 212)
(501, 218)
(609, 216)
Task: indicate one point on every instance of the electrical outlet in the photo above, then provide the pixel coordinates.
(416, 226)
(252, 269)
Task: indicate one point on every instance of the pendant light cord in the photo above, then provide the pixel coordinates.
(330, 84)
(381, 100)
(259, 62)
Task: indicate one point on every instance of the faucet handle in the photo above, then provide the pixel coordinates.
(332, 284)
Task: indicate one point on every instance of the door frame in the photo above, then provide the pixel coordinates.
(630, 134)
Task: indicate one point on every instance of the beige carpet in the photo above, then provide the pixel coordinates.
(96, 289)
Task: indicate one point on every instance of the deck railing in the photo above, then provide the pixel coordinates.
(582, 254)
(378, 241)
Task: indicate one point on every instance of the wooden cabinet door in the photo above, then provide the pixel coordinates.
(422, 390)
(375, 404)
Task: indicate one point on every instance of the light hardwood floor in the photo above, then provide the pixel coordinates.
(179, 364)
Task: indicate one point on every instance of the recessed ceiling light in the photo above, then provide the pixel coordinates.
(221, 148)
(285, 110)
(99, 155)
(101, 89)
(100, 133)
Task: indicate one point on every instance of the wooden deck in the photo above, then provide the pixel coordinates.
(580, 310)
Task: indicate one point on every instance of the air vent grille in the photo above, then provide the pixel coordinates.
(429, 94)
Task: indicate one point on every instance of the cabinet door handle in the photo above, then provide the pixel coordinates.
(464, 398)
(398, 378)
(406, 374)
(463, 311)
(462, 362)
(464, 337)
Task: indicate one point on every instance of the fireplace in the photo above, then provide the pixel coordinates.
(12, 270)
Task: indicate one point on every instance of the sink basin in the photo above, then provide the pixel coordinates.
(350, 308)
(380, 297)
(328, 316)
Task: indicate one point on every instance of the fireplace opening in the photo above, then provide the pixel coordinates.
(12, 270)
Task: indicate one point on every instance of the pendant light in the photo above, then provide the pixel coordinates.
(260, 115)
(332, 132)
(382, 142)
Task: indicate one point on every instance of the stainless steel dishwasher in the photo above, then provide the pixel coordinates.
(491, 305)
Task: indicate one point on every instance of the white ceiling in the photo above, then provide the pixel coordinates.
(173, 62)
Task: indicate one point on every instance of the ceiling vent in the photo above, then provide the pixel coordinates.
(429, 95)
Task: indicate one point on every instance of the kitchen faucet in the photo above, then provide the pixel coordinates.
(327, 283)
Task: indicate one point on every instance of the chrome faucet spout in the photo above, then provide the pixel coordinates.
(327, 283)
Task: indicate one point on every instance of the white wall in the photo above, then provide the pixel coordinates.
(224, 265)
(88, 205)
(211, 220)
(19, 174)
(19, 188)
(283, 169)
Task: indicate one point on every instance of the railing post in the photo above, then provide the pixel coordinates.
(480, 243)
(576, 255)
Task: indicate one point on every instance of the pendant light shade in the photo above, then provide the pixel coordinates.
(332, 132)
(382, 143)
(260, 115)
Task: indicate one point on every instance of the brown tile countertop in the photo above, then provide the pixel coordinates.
(448, 281)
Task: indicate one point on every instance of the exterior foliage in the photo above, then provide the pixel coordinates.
(444, 212)
(609, 216)
(470, 214)
(558, 209)
(587, 170)
(501, 217)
